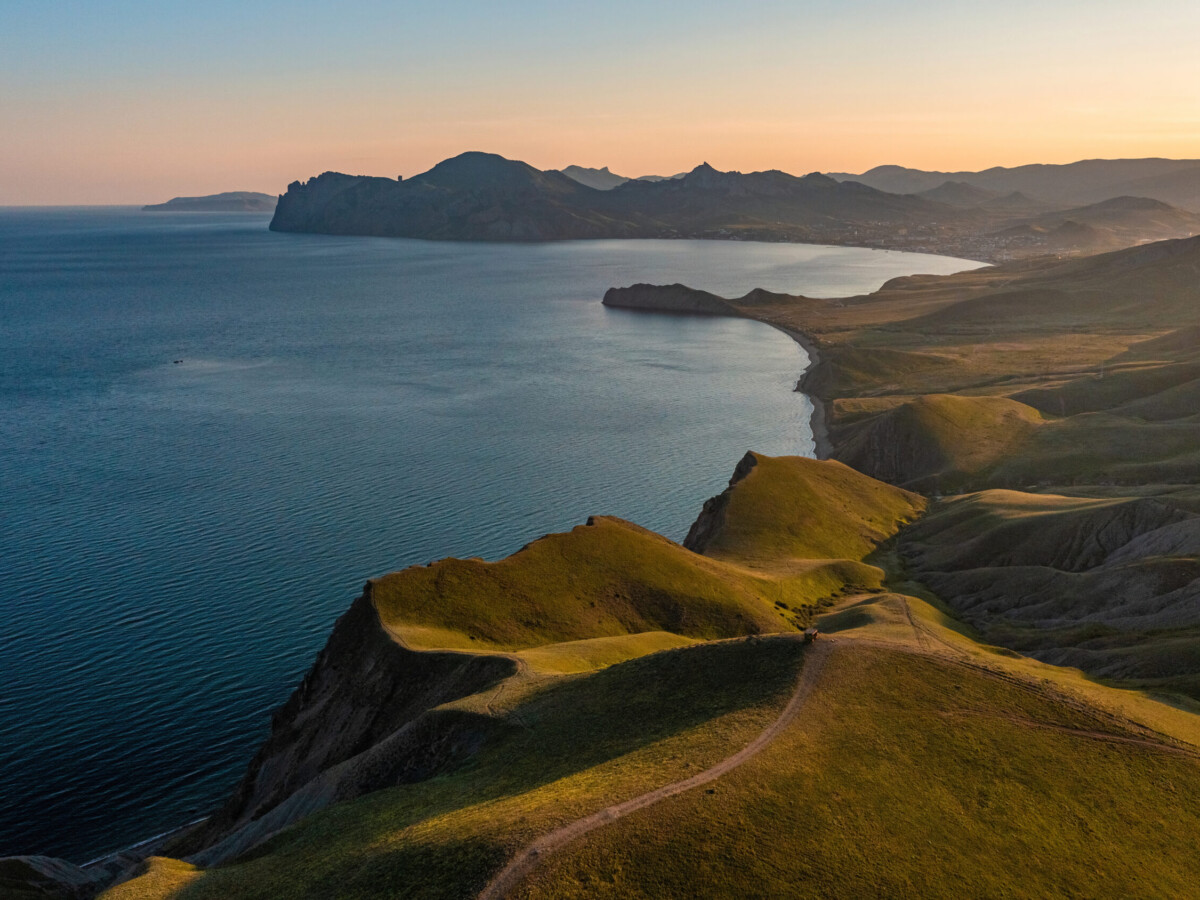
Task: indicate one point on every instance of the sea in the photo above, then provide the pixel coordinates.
(211, 435)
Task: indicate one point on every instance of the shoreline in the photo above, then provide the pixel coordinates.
(818, 422)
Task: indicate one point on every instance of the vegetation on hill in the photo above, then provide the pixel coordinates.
(559, 748)
(913, 735)
(785, 508)
(1076, 378)
(912, 775)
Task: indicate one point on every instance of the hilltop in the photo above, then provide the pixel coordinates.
(604, 180)
(600, 179)
(230, 201)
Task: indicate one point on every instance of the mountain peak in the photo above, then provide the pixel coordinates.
(475, 168)
(815, 178)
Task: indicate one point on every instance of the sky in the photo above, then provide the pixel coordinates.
(129, 101)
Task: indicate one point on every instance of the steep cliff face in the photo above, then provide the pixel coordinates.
(711, 520)
(365, 694)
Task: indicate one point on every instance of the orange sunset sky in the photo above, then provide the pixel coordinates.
(133, 102)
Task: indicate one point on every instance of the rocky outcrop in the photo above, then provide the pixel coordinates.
(473, 197)
(362, 719)
(712, 516)
(673, 298)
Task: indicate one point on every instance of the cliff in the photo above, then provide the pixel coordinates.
(360, 720)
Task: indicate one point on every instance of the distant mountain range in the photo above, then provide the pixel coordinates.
(481, 196)
(604, 180)
(230, 201)
(1174, 181)
(485, 197)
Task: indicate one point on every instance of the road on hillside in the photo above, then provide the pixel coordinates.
(523, 862)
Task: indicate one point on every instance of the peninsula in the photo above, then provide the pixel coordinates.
(230, 201)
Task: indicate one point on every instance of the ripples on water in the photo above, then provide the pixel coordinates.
(176, 539)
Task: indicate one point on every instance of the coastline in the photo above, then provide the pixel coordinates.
(823, 447)
(679, 299)
(123, 860)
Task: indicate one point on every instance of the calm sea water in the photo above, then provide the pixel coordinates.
(211, 435)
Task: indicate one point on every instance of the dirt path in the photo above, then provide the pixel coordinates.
(1136, 732)
(523, 862)
(1108, 736)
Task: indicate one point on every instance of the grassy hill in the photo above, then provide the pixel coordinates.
(562, 747)
(922, 763)
(910, 735)
(912, 775)
(789, 508)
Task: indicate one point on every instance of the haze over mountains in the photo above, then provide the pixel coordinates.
(1173, 181)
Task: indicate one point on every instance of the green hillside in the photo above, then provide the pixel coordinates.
(912, 775)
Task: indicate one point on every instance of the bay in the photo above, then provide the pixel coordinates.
(211, 435)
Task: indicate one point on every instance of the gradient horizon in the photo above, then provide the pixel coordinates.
(135, 102)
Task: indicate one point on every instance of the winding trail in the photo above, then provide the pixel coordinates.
(525, 860)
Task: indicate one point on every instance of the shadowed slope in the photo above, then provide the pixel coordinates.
(1109, 585)
(911, 775)
(911, 709)
(554, 749)
(936, 441)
